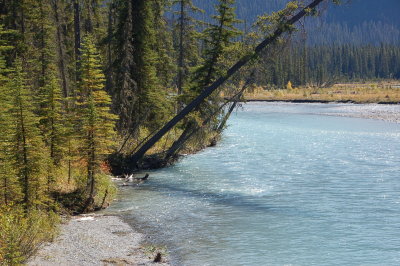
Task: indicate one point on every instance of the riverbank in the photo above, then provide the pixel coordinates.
(95, 239)
(389, 113)
(385, 92)
(385, 112)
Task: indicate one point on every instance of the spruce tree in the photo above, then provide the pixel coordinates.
(152, 105)
(30, 157)
(218, 39)
(122, 67)
(165, 66)
(9, 186)
(10, 191)
(139, 97)
(186, 43)
(93, 107)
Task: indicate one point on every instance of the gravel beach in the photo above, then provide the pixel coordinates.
(386, 112)
(96, 240)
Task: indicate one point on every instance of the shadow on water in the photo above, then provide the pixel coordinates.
(246, 203)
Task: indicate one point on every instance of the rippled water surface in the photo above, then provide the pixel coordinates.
(285, 186)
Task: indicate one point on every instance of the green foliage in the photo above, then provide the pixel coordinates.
(9, 187)
(186, 42)
(152, 101)
(106, 190)
(268, 23)
(93, 109)
(22, 234)
(320, 65)
(219, 40)
(28, 149)
(140, 67)
(52, 118)
(94, 102)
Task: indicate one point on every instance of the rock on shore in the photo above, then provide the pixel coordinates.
(95, 240)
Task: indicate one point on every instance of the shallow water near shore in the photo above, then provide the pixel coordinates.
(287, 185)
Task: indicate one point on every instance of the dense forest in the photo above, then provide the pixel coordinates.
(84, 83)
(356, 41)
(323, 65)
(353, 22)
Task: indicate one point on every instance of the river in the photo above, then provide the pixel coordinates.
(288, 184)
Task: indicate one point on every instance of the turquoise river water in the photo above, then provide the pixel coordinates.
(287, 185)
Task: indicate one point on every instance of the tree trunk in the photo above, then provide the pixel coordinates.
(191, 130)
(282, 28)
(77, 27)
(61, 52)
(25, 180)
(5, 189)
(181, 54)
(109, 78)
(177, 145)
(235, 100)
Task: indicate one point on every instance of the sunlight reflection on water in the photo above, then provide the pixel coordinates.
(285, 186)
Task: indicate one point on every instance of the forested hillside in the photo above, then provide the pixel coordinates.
(355, 41)
(354, 22)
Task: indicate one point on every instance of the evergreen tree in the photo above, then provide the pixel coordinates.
(165, 66)
(28, 148)
(10, 191)
(152, 105)
(55, 127)
(97, 132)
(142, 102)
(186, 43)
(218, 41)
(125, 89)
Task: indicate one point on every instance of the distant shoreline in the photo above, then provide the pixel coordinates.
(316, 101)
(382, 92)
(377, 111)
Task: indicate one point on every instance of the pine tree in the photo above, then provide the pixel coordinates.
(186, 43)
(97, 132)
(152, 105)
(10, 191)
(218, 41)
(139, 97)
(165, 66)
(62, 58)
(55, 127)
(30, 157)
(125, 89)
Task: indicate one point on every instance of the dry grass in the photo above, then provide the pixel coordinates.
(382, 92)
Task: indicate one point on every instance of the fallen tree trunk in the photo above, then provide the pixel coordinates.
(191, 129)
(235, 99)
(282, 28)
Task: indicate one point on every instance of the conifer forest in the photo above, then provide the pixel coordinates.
(85, 83)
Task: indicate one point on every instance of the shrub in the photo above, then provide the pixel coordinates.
(22, 234)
